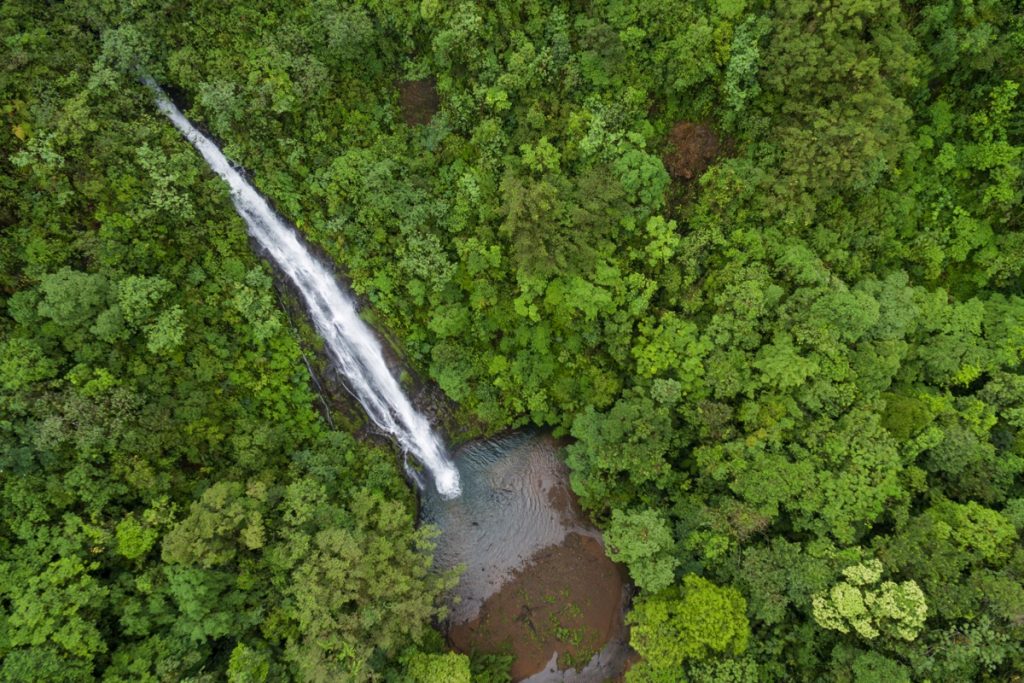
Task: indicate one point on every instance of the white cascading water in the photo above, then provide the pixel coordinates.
(349, 340)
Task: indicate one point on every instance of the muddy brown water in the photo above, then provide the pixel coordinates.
(537, 583)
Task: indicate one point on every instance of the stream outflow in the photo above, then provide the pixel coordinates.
(349, 341)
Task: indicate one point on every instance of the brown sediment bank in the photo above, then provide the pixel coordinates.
(566, 604)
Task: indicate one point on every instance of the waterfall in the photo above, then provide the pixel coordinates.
(349, 341)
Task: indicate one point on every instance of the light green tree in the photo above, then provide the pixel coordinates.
(451, 667)
(643, 541)
(871, 609)
(693, 622)
(248, 665)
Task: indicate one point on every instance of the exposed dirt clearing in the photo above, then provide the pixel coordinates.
(692, 148)
(419, 100)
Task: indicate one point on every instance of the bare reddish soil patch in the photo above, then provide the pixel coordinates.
(692, 147)
(567, 602)
(418, 100)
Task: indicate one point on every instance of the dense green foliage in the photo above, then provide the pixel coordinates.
(794, 384)
(172, 506)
